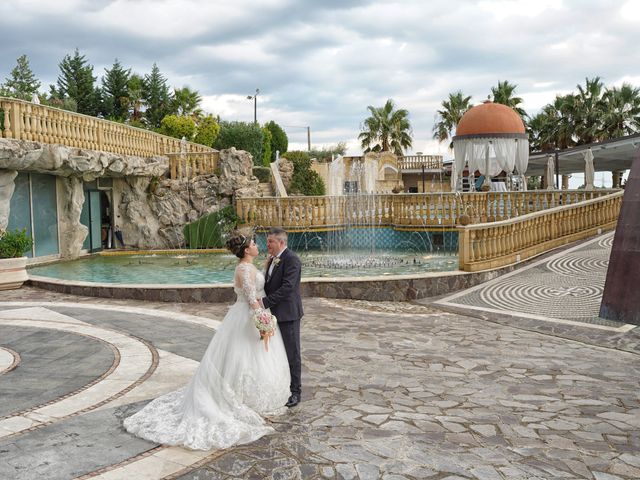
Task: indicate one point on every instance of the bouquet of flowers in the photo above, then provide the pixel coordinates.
(266, 325)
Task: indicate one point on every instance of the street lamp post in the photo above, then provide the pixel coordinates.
(255, 105)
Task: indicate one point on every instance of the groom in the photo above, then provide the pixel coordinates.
(282, 287)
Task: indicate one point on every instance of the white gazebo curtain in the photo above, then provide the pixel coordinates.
(550, 174)
(492, 155)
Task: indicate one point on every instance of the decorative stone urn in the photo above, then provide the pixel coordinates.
(13, 272)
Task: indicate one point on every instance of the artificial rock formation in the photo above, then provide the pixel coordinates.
(69, 222)
(285, 166)
(65, 161)
(7, 186)
(152, 212)
(150, 209)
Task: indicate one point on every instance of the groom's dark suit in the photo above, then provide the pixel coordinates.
(283, 299)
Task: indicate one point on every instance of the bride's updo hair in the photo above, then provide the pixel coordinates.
(238, 242)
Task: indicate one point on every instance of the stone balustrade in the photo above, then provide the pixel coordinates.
(403, 210)
(491, 245)
(415, 162)
(40, 123)
(189, 165)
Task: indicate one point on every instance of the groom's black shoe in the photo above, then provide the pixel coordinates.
(294, 400)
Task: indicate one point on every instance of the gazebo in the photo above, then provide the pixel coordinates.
(490, 138)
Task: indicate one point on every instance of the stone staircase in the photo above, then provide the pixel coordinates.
(265, 189)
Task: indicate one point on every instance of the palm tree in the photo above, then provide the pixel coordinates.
(621, 111)
(504, 93)
(386, 129)
(186, 102)
(590, 109)
(449, 116)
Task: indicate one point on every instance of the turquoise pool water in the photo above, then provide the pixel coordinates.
(219, 267)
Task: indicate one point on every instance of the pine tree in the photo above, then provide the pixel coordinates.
(22, 83)
(116, 92)
(156, 96)
(76, 81)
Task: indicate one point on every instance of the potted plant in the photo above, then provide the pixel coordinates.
(13, 263)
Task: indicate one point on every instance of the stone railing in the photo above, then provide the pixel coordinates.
(491, 245)
(40, 123)
(415, 162)
(189, 165)
(404, 210)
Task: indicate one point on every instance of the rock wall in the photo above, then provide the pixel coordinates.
(7, 186)
(71, 199)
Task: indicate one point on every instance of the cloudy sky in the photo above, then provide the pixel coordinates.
(321, 63)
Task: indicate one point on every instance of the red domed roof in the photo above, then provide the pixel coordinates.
(489, 118)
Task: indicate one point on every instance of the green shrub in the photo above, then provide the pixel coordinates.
(304, 181)
(207, 131)
(242, 136)
(178, 127)
(209, 230)
(263, 174)
(266, 146)
(279, 140)
(14, 244)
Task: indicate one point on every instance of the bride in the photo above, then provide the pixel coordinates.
(237, 382)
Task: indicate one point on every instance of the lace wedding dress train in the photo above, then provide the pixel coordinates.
(235, 385)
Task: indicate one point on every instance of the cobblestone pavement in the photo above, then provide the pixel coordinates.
(390, 391)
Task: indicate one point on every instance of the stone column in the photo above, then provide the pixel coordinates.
(71, 201)
(7, 186)
(565, 182)
(616, 179)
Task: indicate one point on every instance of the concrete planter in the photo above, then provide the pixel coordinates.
(13, 272)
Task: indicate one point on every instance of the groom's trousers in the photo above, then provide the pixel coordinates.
(291, 337)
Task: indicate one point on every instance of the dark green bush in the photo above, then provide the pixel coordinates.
(209, 230)
(14, 244)
(242, 136)
(263, 174)
(304, 181)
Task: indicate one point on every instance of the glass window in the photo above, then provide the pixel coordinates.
(45, 214)
(19, 206)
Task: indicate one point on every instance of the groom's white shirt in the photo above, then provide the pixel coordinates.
(273, 265)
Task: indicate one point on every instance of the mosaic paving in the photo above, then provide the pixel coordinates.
(566, 286)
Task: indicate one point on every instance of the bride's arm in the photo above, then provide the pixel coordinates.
(246, 276)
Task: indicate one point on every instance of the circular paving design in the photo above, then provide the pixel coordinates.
(578, 264)
(544, 296)
(8, 360)
(606, 242)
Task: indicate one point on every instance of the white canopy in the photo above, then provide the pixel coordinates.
(491, 155)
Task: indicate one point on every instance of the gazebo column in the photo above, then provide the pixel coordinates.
(565, 182)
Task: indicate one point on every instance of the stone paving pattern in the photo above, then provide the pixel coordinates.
(390, 391)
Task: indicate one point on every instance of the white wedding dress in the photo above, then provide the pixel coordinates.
(236, 384)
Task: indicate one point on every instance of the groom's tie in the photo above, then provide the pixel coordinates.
(266, 278)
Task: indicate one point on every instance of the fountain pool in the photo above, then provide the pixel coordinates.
(218, 268)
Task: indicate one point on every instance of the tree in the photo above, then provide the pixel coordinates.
(450, 115)
(279, 140)
(21, 83)
(266, 146)
(589, 110)
(135, 87)
(304, 180)
(186, 102)
(115, 89)
(242, 136)
(178, 127)
(76, 81)
(156, 96)
(504, 93)
(386, 129)
(621, 111)
(207, 131)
